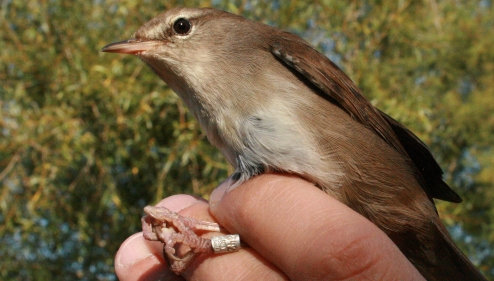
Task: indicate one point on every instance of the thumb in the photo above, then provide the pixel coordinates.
(307, 233)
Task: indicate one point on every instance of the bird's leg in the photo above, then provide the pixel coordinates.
(161, 224)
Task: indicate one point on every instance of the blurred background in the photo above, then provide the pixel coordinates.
(87, 139)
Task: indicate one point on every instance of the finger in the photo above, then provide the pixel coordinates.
(140, 259)
(306, 233)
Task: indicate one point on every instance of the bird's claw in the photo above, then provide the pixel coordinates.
(175, 231)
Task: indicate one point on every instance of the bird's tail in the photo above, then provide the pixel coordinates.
(443, 260)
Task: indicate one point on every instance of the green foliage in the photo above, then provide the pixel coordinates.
(88, 139)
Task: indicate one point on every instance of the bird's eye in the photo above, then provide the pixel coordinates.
(182, 26)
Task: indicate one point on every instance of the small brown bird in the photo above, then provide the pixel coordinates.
(270, 102)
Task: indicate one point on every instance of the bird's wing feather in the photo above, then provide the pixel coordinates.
(332, 81)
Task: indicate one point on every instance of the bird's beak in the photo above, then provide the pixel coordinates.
(131, 47)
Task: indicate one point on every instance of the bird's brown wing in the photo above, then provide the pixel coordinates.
(332, 81)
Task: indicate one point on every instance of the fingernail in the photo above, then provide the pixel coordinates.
(220, 191)
(141, 249)
(139, 259)
(178, 202)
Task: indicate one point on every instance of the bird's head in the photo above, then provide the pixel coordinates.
(208, 57)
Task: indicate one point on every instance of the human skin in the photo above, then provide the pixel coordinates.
(294, 231)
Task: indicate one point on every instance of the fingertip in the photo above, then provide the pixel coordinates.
(178, 202)
(139, 259)
(220, 191)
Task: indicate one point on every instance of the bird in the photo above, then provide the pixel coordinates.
(270, 102)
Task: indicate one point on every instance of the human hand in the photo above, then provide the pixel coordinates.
(295, 232)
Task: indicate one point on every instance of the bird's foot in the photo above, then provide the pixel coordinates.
(178, 233)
